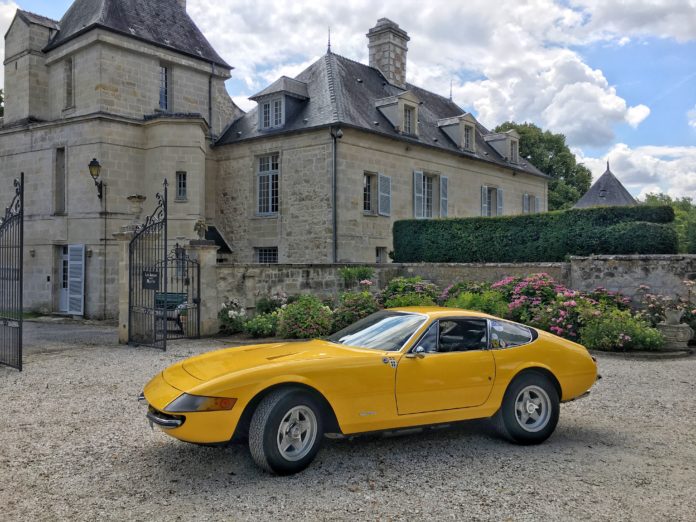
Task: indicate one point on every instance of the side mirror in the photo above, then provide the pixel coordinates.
(418, 352)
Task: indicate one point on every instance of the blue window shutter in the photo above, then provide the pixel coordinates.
(484, 200)
(500, 202)
(443, 196)
(525, 204)
(537, 204)
(418, 199)
(384, 199)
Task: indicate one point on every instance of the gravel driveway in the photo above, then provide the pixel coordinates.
(74, 445)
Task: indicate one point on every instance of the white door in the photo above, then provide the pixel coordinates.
(76, 279)
(63, 281)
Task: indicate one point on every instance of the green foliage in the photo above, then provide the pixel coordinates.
(271, 303)
(549, 153)
(489, 302)
(352, 307)
(306, 318)
(550, 236)
(684, 218)
(452, 291)
(409, 299)
(617, 330)
(352, 275)
(262, 325)
(408, 291)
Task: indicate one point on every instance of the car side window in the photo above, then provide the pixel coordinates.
(509, 335)
(462, 335)
(429, 341)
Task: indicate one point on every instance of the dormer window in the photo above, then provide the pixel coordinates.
(514, 151)
(271, 113)
(409, 117)
(468, 137)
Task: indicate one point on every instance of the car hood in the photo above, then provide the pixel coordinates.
(211, 365)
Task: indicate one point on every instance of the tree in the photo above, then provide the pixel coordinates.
(684, 218)
(549, 153)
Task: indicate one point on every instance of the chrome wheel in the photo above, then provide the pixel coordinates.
(532, 408)
(297, 433)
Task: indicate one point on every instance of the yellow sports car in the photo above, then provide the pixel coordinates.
(395, 369)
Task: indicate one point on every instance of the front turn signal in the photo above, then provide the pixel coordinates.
(186, 403)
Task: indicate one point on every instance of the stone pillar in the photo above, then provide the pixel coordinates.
(205, 252)
(123, 238)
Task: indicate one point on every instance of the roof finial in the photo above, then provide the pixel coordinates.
(328, 50)
(608, 169)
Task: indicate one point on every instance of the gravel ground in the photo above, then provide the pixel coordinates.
(74, 445)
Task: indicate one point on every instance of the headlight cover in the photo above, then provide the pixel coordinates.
(186, 403)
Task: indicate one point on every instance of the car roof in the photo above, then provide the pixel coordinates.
(436, 312)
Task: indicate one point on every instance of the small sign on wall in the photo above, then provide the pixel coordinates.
(151, 280)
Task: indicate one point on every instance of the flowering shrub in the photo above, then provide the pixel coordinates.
(306, 318)
(617, 330)
(354, 274)
(454, 290)
(610, 299)
(262, 325)
(489, 302)
(232, 316)
(408, 291)
(271, 303)
(352, 307)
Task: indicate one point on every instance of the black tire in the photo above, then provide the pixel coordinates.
(520, 425)
(265, 436)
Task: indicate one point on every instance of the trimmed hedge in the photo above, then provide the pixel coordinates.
(551, 236)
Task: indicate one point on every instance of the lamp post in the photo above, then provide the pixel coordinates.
(94, 171)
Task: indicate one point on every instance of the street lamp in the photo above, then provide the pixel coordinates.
(94, 171)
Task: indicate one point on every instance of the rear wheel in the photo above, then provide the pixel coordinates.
(286, 431)
(530, 409)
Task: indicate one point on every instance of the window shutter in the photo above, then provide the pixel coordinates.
(537, 204)
(384, 200)
(443, 196)
(525, 204)
(500, 202)
(76, 279)
(484, 200)
(418, 199)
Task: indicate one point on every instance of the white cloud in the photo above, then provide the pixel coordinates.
(7, 12)
(691, 115)
(649, 168)
(635, 115)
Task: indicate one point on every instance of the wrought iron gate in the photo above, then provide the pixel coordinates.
(11, 278)
(164, 287)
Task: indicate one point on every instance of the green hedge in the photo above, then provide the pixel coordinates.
(551, 236)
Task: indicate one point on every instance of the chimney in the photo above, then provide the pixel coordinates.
(182, 3)
(387, 45)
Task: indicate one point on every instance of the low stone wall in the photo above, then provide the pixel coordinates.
(249, 282)
(664, 274)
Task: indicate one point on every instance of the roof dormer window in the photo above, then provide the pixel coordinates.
(409, 117)
(468, 137)
(271, 113)
(514, 151)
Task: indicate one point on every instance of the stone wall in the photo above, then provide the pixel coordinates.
(664, 274)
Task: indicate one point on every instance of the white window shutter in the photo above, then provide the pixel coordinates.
(76, 279)
(525, 204)
(537, 204)
(443, 196)
(500, 202)
(418, 199)
(384, 200)
(484, 200)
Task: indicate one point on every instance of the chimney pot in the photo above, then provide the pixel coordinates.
(387, 44)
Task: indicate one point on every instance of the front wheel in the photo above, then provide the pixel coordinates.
(286, 431)
(530, 409)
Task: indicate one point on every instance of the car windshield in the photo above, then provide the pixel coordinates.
(385, 330)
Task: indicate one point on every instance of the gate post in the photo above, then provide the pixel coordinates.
(123, 238)
(205, 252)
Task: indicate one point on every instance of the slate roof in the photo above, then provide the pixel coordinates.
(342, 91)
(37, 19)
(284, 84)
(163, 23)
(607, 191)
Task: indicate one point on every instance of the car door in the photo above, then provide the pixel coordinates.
(450, 367)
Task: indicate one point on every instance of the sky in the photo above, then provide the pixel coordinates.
(616, 77)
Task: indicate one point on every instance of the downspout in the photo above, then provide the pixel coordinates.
(336, 134)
